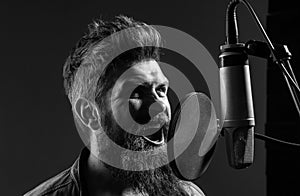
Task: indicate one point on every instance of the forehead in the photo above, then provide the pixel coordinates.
(147, 71)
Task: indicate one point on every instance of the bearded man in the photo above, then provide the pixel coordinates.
(120, 106)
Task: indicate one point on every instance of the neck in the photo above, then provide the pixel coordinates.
(99, 180)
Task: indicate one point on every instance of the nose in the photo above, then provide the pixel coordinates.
(156, 108)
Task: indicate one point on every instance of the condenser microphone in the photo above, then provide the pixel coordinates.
(236, 95)
(238, 125)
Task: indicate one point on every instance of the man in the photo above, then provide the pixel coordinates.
(120, 106)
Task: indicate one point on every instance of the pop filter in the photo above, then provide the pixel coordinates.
(192, 136)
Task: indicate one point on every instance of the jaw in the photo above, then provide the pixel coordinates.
(152, 157)
(134, 152)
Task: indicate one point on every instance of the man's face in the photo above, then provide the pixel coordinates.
(139, 102)
(137, 116)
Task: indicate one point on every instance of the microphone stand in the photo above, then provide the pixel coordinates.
(261, 49)
(292, 89)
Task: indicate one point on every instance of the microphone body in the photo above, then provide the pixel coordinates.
(236, 94)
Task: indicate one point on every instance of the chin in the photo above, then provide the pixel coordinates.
(144, 155)
(148, 172)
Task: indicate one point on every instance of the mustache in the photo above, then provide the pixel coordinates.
(159, 121)
(132, 139)
(161, 118)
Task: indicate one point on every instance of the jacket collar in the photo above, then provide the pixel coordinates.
(77, 171)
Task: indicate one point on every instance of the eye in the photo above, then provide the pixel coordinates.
(134, 95)
(161, 90)
(137, 93)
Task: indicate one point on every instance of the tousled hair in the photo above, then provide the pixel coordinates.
(104, 48)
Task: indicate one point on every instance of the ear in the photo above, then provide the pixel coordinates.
(88, 114)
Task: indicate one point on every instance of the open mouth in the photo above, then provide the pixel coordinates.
(156, 138)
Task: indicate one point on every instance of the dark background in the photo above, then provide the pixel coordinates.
(38, 138)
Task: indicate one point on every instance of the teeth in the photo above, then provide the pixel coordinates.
(156, 142)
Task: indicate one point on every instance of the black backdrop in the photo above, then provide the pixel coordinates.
(37, 136)
(283, 162)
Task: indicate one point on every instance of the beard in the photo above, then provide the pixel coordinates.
(159, 181)
(144, 167)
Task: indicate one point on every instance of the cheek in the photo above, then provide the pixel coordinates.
(119, 111)
(122, 114)
(168, 108)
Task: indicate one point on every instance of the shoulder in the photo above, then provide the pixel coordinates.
(192, 189)
(56, 185)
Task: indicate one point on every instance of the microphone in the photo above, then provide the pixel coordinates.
(236, 94)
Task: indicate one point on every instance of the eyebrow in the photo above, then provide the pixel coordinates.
(131, 84)
(139, 81)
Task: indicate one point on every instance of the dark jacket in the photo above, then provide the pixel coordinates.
(65, 183)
